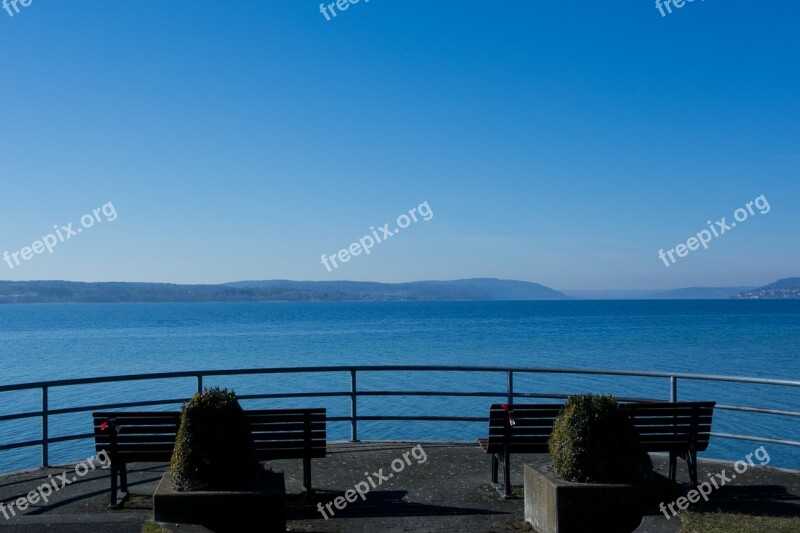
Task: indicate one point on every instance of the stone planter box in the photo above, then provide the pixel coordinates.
(553, 505)
(224, 511)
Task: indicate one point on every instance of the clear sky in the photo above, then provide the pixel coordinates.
(559, 142)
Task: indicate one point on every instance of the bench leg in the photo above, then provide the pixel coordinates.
(119, 484)
(113, 501)
(691, 462)
(123, 478)
(673, 465)
(505, 487)
(307, 477)
(507, 474)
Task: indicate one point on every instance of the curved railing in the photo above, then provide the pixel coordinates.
(509, 394)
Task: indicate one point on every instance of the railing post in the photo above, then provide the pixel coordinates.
(673, 389)
(353, 407)
(45, 436)
(200, 383)
(510, 387)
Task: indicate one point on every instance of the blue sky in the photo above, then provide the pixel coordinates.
(564, 143)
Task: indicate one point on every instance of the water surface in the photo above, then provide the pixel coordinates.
(749, 338)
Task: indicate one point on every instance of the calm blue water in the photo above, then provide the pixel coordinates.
(751, 338)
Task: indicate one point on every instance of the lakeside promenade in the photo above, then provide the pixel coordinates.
(448, 492)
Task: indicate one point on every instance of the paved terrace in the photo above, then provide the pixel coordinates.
(448, 492)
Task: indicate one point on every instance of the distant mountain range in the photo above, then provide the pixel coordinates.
(788, 288)
(700, 293)
(689, 293)
(479, 289)
(463, 289)
(275, 290)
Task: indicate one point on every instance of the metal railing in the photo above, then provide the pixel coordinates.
(509, 394)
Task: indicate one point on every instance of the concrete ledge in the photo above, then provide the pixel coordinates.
(553, 505)
(223, 511)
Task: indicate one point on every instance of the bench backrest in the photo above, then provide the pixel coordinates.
(662, 426)
(150, 436)
(667, 426)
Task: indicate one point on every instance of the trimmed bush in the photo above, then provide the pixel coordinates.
(594, 441)
(214, 449)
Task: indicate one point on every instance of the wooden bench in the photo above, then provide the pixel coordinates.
(135, 437)
(681, 428)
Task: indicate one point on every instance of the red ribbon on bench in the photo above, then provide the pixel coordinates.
(105, 425)
(508, 411)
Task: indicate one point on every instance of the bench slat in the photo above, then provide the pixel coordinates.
(679, 411)
(152, 439)
(123, 449)
(288, 435)
(173, 429)
(499, 432)
(122, 419)
(682, 429)
(523, 421)
(138, 456)
(144, 457)
(266, 415)
(669, 420)
(530, 409)
(551, 412)
(253, 416)
(270, 455)
(289, 426)
(520, 439)
(281, 412)
(143, 430)
(295, 443)
(517, 448)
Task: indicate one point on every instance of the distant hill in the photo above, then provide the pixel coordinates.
(120, 292)
(785, 283)
(464, 289)
(783, 289)
(276, 290)
(687, 293)
(700, 293)
(609, 294)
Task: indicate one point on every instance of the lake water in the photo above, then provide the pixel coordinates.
(748, 338)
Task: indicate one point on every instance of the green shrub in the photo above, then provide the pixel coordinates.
(594, 441)
(214, 449)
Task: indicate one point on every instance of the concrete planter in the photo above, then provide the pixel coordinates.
(224, 511)
(553, 505)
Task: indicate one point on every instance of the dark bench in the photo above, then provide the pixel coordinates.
(135, 437)
(680, 428)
